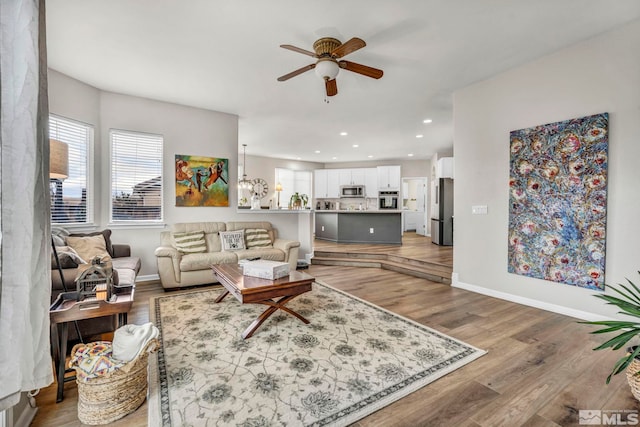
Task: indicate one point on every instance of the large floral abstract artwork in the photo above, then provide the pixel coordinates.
(558, 201)
(202, 181)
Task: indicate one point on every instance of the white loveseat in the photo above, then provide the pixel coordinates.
(178, 269)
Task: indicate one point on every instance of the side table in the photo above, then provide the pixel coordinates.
(67, 309)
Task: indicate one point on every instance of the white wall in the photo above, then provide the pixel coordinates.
(186, 130)
(599, 75)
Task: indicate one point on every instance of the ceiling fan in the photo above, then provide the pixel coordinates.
(328, 51)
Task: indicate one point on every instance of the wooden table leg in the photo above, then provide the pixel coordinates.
(63, 329)
(273, 307)
(222, 295)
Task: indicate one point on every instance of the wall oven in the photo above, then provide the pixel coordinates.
(388, 200)
(351, 191)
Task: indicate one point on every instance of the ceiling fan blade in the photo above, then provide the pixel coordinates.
(296, 72)
(298, 49)
(332, 87)
(361, 69)
(348, 47)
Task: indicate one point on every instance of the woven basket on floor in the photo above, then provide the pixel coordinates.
(633, 379)
(107, 398)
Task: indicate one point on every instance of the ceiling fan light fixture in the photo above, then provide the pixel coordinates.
(327, 68)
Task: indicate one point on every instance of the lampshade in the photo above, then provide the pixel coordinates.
(58, 159)
(278, 187)
(327, 68)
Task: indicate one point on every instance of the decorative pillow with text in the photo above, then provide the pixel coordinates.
(232, 240)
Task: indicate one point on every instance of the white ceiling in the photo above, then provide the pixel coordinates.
(225, 56)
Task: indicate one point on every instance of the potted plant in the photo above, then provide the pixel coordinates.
(628, 301)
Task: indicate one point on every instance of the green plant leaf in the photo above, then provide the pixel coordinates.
(618, 341)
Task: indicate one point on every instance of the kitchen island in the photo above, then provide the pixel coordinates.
(359, 226)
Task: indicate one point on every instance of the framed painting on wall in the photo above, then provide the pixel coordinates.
(558, 201)
(202, 181)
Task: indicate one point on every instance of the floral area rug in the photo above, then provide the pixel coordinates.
(352, 359)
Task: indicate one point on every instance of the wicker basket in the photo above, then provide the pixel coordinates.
(107, 398)
(633, 379)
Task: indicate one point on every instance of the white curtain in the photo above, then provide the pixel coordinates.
(25, 275)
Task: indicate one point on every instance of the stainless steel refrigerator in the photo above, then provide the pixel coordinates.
(442, 215)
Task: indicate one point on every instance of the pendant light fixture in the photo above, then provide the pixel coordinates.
(244, 183)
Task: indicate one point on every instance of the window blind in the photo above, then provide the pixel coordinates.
(72, 197)
(136, 176)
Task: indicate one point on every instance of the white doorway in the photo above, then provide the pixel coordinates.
(414, 205)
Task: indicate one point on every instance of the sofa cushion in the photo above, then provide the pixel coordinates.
(190, 242)
(105, 233)
(270, 254)
(232, 240)
(89, 247)
(257, 238)
(194, 262)
(242, 225)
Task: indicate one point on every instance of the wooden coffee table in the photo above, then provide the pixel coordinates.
(253, 290)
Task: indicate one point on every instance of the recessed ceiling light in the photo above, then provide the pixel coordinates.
(298, 158)
(355, 145)
(370, 156)
(333, 158)
(343, 134)
(427, 121)
(419, 136)
(410, 154)
(317, 151)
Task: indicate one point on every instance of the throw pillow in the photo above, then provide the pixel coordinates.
(190, 242)
(105, 233)
(67, 256)
(232, 240)
(257, 238)
(90, 247)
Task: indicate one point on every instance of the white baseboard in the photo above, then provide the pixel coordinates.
(26, 417)
(579, 314)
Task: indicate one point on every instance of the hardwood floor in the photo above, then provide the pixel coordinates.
(540, 369)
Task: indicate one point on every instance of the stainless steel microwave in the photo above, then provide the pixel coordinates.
(352, 191)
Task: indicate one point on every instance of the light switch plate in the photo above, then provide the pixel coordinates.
(479, 210)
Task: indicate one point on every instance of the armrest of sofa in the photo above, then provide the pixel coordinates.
(290, 248)
(121, 251)
(168, 264)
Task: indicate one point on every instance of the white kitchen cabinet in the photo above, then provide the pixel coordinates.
(344, 176)
(389, 178)
(358, 176)
(445, 167)
(333, 183)
(370, 182)
(352, 176)
(320, 184)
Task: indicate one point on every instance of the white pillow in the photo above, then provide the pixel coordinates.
(232, 240)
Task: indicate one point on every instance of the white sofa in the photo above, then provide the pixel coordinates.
(178, 270)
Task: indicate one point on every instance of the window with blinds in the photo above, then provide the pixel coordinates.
(293, 181)
(136, 176)
(72, 197)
